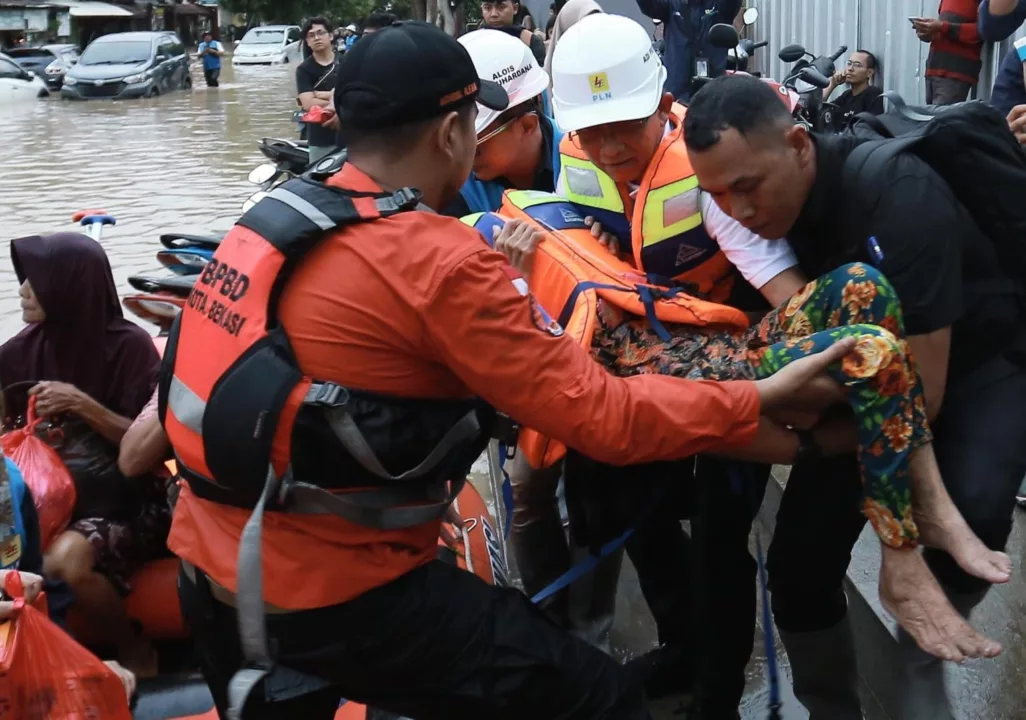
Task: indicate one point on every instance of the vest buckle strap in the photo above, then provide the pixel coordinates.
(402, 199)
(327, 395)
(506, 430)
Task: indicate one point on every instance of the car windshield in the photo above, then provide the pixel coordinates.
(129, 52)
(23, 53)
(264, 37)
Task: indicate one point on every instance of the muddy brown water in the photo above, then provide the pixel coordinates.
(177, 162)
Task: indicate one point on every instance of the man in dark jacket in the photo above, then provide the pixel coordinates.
(686, 26)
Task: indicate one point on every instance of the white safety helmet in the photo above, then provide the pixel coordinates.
(605, 70)
(506, 60)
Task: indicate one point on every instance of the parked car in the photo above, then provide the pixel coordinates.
(49, 62)
(17, 83)
(129, 65)
(269, 45)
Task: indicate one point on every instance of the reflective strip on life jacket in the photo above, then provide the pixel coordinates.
(187, 406)
(303, 207)
(667, 234)
(671, 210)
(586, 185)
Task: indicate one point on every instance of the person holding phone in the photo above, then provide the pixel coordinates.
(954, 63)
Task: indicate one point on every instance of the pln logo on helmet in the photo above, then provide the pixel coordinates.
(599, 85)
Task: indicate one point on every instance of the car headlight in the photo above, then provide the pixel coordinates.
(54, 68)
(70, 81)
(138, 77)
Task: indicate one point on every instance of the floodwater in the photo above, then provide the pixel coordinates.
(177, 162)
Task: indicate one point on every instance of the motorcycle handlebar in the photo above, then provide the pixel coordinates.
(758, 45)
(840, 51)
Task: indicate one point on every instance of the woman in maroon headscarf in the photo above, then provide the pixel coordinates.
(92, 371)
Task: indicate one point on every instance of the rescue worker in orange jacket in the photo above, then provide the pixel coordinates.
(326, 389)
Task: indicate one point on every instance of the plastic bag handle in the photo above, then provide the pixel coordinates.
(13, 585)
(31, 420)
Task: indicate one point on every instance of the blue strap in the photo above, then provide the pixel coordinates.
(582, 568)
(648, 300)
(581, 287)
(737, 484)
(589, 563)
(507, 488)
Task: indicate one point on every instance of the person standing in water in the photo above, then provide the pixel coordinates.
(211, 51)
(315, 84)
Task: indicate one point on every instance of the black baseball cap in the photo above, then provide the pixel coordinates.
(406, 72)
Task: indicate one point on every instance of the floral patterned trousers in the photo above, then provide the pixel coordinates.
(882, 386)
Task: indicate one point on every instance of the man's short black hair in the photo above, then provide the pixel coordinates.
(870, 59)
(395, 140)
(379, 20)
(741, 102)
(322, 21)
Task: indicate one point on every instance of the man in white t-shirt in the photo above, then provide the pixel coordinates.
(624, 164)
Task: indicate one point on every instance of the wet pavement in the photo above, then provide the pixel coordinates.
(177, 162)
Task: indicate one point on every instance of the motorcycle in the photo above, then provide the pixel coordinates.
(808, 78)
(739, 53)
(724, 36)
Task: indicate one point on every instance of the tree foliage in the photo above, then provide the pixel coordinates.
(295, 11)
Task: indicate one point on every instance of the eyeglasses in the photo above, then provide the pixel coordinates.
(502, 128)
(855, 65)
(314, 34)
(623, 131)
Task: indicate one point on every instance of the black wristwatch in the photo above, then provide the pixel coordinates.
(808, 449)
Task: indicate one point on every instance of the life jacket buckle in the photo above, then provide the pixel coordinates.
(327, 395)
(506, 430)
(406, 198)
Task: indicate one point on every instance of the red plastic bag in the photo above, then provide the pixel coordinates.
(52, 486)
(318, 115)
(46, 675)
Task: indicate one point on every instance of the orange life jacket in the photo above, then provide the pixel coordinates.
(572, 271)
(249, 428)
(663, 222)
(242, 416)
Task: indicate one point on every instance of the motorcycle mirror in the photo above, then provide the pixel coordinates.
(814, 77)
(253, 200)
(791, 53)
(262, 173)
(750, 16)
(722, 35)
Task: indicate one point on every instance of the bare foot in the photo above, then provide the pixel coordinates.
(948, 531)
(140, 657)
(910, 593)
(942, 526)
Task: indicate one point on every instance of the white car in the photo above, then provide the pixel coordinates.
(16, 83)
(269, 45)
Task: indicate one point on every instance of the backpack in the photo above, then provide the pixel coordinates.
(971, 147)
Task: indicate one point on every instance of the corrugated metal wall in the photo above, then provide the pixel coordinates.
(880, 26)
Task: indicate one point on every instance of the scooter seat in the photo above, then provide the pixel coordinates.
(176, 241)
(180, 285)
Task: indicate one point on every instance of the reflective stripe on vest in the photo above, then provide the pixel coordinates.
(671, 210)
(586, 185)
(187, 406)
(667, 233)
